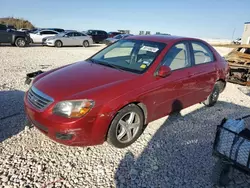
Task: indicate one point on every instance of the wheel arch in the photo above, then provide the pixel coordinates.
(141, 105)
(58, 40)
(222, 83)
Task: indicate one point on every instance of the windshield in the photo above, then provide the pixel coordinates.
(129, 55)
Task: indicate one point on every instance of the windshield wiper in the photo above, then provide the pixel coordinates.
(105, 64)
(113, 66)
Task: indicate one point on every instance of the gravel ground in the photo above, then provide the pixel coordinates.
(173, 151)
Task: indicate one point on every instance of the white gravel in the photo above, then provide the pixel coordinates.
(172, 152)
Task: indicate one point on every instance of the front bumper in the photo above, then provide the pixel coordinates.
(48, 43)
(70, 132)
(28, 39)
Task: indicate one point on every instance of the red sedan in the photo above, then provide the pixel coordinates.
(114, 93)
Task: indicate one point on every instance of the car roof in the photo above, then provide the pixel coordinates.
(48, 30)
(160, 38)
(95, 30)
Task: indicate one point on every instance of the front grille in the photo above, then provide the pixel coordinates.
(38, 99)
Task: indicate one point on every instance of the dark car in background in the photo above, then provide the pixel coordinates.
(13, 37)
(109, 41)
(97, 35)
(113, 34)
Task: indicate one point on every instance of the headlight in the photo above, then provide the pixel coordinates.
(74, 108)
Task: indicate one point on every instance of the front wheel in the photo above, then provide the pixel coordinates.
(85, 43)
(126, 127)
(20, 42)
(213, 97)
(58, 44)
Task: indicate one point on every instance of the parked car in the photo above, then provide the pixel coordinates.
(112, 34)
(97, 35)
(109, 41)
(37, 36)
(116, 92)
(13, 37)
(69, 39)
(12, 27)
(239, 63)
(32, 30)
(237, 41)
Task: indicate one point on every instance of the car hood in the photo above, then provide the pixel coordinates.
(80, 77)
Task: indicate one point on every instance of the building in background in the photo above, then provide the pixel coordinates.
(246, 34)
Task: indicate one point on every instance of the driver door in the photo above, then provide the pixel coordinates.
(173, 93)
(68, 39)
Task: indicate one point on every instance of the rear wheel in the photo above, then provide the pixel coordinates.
(85, 43)
(213, 97)
(126, 127)
(58, 44)
(20, 42)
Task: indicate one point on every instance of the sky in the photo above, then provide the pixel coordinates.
(193, 18)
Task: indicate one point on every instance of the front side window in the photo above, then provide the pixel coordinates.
(177, 57)
(202, 54)
(77, 34)
(71, 34)
(129, 55)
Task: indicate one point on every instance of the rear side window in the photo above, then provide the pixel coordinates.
(177, 57)
(202, 53)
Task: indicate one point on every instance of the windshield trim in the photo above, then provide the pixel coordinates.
(127, 69)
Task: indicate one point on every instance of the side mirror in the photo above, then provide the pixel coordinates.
(164, 71)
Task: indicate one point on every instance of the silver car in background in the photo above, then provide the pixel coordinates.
(109, 41)
(72, 38)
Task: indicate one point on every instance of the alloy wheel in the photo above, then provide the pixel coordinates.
(127, 127)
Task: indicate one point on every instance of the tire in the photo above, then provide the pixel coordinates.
(20, 42)
(85, 43)
(58, 44)
(221, 173)
(132, 126)
(213, 97)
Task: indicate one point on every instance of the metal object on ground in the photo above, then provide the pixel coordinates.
(239, 63)
(232, 149)
(31, 76)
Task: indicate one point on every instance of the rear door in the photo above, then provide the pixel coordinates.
(78, 41)
(204, 70)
